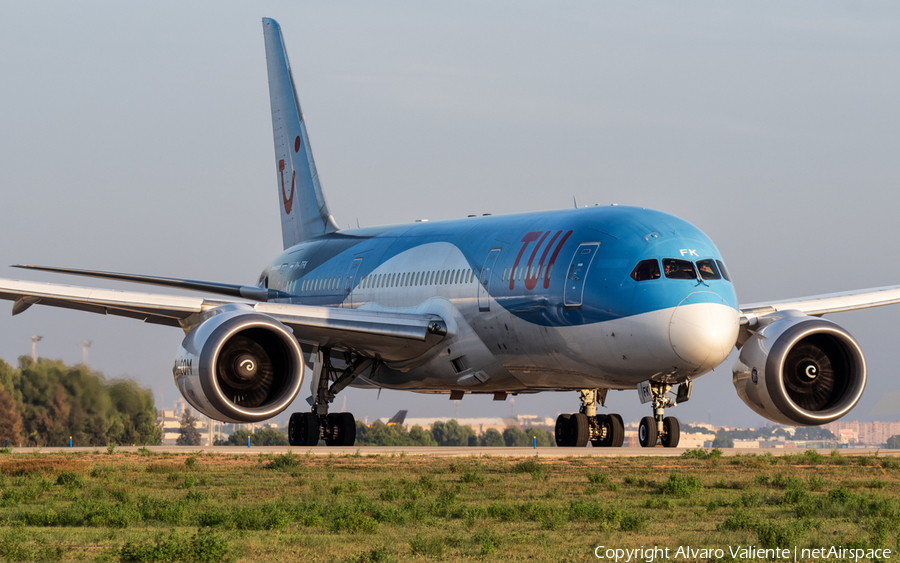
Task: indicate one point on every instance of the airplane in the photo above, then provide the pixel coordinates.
(577, 300)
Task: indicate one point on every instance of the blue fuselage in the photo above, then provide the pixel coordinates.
(580, 298)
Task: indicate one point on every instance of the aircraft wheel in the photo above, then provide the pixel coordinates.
(303, 429)
(343, 429)
(293, 429)
(616, 431)
(565, 431)
(582, 429)
(647, 432)
(673, 432)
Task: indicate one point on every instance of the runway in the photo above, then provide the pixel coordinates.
(452, 451)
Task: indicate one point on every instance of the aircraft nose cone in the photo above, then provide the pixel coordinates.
(703, 330)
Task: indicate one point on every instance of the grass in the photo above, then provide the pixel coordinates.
(144, 506)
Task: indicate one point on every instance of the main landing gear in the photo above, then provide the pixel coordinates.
(664, 428)
(601, 430)
(337, 429)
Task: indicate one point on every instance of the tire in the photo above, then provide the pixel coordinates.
(616, 431)
(647, 432)
(581, 429)
(348, 425)
(344, 427)
(564, 438)
(673, 432)
(304, 431)
(294, 429)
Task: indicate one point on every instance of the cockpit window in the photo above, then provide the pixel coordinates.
(708, 269)
(679, 269)
(645, 270)
(724, 270)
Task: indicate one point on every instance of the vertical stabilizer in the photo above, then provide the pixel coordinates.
(304, 213)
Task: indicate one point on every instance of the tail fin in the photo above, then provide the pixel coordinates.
(304, 213)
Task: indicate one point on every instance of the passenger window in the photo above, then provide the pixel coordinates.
(646, 270)
(708, 269)
(723, 270)
(679, 269)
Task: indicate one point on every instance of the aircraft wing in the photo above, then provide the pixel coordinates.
(818, 305)
(377, 334)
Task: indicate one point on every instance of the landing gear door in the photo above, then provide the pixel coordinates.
(484, 281)
(578, 270)
(350, 283)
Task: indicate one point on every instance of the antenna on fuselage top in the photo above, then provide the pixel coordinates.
(575, 201)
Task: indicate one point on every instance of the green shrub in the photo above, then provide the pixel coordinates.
(379, 554)
(429, 546)
(531, 466)
(474, 477)
(17, 545)
(815, 482)
(700, 453)
(682, 486)
(774, 534)
(284, 462)
(70, 480)
(205, 546)
(487, 540)
(739, 520)
(890, 463)
(795, 496)
(813, 457)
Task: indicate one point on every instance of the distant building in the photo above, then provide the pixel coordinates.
(169, 422)
(482, 425)
(868, 433)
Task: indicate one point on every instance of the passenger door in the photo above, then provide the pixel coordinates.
(484, 282)
(349, 282)
(578, 270)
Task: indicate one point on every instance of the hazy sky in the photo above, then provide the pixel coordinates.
(136, 137)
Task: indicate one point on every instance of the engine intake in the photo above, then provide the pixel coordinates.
(239, 366)
(801, 371)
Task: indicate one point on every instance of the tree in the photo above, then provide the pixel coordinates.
(269, 437)
(190, 436)
(515, 438)
(893, 443)
(723, 440)
(491, 439)
(545, 438)
(10, 420)
(452, 434)
(421, 437)
(55, 401)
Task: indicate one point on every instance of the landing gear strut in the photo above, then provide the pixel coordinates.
(659, 426)
(601, 430)
(337, 429)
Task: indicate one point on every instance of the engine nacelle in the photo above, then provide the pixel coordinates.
(801, 371)
(239, 366)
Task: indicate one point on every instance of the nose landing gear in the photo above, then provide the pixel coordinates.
(659, 426)
(601, 430)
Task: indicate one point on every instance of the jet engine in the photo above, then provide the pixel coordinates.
(239, 366)
(801, 371)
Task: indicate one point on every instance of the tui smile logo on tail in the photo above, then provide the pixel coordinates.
(288, 200)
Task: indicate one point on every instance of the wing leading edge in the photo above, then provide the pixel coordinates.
(384, 335)
(818, 305)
